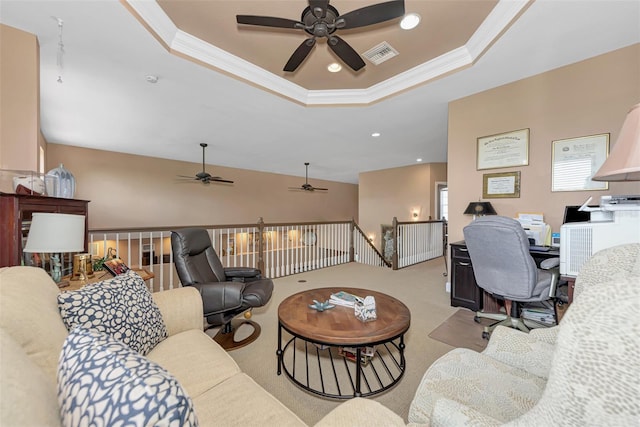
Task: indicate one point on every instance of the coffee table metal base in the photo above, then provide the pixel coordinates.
(319, 369)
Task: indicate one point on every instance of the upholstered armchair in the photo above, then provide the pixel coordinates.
(582, 372)
(226, 292)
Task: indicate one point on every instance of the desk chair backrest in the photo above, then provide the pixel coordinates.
(196, 260)
(499, 251)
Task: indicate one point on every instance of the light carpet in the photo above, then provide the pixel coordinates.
(421, 287)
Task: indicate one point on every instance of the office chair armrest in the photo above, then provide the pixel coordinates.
(447, 412)
(242, 272)
(218, 297)
(521, 350)
(550, 263)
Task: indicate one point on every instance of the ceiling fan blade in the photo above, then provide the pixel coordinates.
(268, 21)
(185, 176)
(300, 54)
(373, 14)
(346, 53)
(218, 179)
(321, 189)
(321, 5)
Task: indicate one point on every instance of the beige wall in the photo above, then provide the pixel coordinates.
(19, 100)
(136, 191)
(586, 98)
(397, 192)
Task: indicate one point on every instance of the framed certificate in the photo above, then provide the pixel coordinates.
(576, 160)
(501, 185)
(503, 150)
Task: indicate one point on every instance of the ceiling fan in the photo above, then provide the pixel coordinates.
(203, 176)
(320, 19)
(306, 186)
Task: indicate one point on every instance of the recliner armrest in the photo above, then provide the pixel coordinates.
(242, 272)
(218, 297)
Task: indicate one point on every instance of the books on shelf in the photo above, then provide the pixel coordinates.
(343, 298)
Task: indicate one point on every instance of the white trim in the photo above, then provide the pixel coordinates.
(496, 22)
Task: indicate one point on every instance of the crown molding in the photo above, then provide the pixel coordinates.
(177, 41)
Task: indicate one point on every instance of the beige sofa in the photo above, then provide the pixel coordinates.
(32, 335)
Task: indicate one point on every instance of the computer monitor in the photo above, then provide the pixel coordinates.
(572, 214)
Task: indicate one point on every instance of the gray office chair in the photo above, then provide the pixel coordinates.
(226, 292)
(499, 250)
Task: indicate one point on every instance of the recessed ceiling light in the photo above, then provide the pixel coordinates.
(410, 21)
(151, 79)
(418, 160)
(334, 68)
(375, 134)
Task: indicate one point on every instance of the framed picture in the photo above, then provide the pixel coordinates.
(503, 150)
(115, 266)
(576, 160)
(501, 185)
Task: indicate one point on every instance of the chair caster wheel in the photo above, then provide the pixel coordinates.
(485, 335)
(476, 319)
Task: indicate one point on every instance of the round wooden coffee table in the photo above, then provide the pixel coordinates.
(320, 354)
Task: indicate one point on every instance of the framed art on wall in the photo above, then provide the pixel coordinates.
(503, 150)
(576, 160)
(501, 185)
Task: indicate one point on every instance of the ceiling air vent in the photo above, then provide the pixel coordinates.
(380, 53)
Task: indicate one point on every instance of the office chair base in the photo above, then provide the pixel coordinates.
(226, 335)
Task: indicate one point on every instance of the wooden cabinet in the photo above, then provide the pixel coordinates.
(15, 217)
(464, 290)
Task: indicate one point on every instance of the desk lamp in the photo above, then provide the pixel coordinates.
(623, 164)
(479, 209)
(55, 234)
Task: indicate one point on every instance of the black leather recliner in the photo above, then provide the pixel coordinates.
(226, 292)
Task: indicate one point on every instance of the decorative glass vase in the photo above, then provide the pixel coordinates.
(63, 183)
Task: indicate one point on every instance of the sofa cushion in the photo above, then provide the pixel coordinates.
(245, 403)
(196, 360)
(479, 382)
(27, 396)
(121, 307)
(101, 381)
(29, 313)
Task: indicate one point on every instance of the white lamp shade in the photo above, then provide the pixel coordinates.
(53, 232)
(623, 164)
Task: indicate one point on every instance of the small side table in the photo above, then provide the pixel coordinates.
(98, 276)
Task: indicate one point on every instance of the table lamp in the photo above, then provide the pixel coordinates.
(623, 164)
(479, 209)
(55, 234)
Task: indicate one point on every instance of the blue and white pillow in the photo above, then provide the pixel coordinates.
(121, 307)
(103, 382)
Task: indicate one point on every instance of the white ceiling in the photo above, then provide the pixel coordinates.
(105, 103)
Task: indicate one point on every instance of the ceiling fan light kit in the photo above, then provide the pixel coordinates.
(306, 186)
(204, 176)
(321, 20)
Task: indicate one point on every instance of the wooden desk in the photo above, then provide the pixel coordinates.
(464, 289)
(98, 276)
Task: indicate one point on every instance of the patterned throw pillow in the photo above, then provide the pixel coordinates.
(102, 382)
(121, 307)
